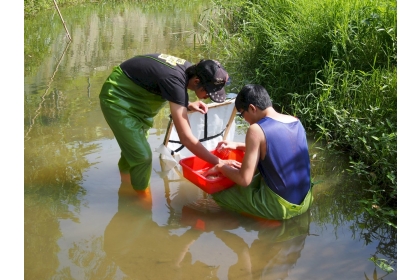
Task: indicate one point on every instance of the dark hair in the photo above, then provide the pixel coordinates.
(207, 72)
(253, 94)
(191, 71)
(213, 77)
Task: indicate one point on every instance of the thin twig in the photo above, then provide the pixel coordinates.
(56, 6)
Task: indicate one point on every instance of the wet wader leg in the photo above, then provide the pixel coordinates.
(124, 168)
(259, 200)
(123, 165)
(129, 111)
(136, 155)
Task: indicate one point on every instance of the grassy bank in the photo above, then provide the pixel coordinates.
(332, 63)
(33, 7)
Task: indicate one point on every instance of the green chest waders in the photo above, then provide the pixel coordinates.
(259, 200)
(129, 111)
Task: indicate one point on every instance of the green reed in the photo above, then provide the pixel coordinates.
(34, 7)
(333, 64)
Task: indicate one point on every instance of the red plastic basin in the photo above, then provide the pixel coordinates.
(192, 167)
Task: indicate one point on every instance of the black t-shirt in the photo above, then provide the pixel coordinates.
(160, 74)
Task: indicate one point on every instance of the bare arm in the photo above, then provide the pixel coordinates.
(225, 144)
(182, 125)
(243, 176)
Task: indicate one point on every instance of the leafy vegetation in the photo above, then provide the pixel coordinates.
(331, 63)
(33, 7)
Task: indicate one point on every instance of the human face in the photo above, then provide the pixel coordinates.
(201, 93)
(241, 114)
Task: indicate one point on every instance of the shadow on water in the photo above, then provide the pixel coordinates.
(82, 222)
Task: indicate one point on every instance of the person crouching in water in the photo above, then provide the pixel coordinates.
(276, 145)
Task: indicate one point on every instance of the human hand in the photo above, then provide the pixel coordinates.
(232, 163)
(198, 106)
(225, 145)
(214, 171)
(229, 145)
(211, 171)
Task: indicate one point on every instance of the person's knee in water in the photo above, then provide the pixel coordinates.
(275, 146)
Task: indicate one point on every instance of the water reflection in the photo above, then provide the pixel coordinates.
(201, 239)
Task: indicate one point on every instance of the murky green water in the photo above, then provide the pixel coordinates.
(81, 222)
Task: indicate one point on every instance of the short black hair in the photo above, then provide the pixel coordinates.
(213, 78)
(190, 71)
(253, 94)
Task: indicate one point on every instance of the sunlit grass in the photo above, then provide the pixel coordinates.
(333, 64)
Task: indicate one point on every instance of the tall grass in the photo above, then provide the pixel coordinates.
(34, 7)
(332, 63)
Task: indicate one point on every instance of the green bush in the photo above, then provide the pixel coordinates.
(32, 7)
(332, 63)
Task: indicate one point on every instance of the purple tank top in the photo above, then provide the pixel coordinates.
(286, 166)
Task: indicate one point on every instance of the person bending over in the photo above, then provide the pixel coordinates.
(139, 87)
